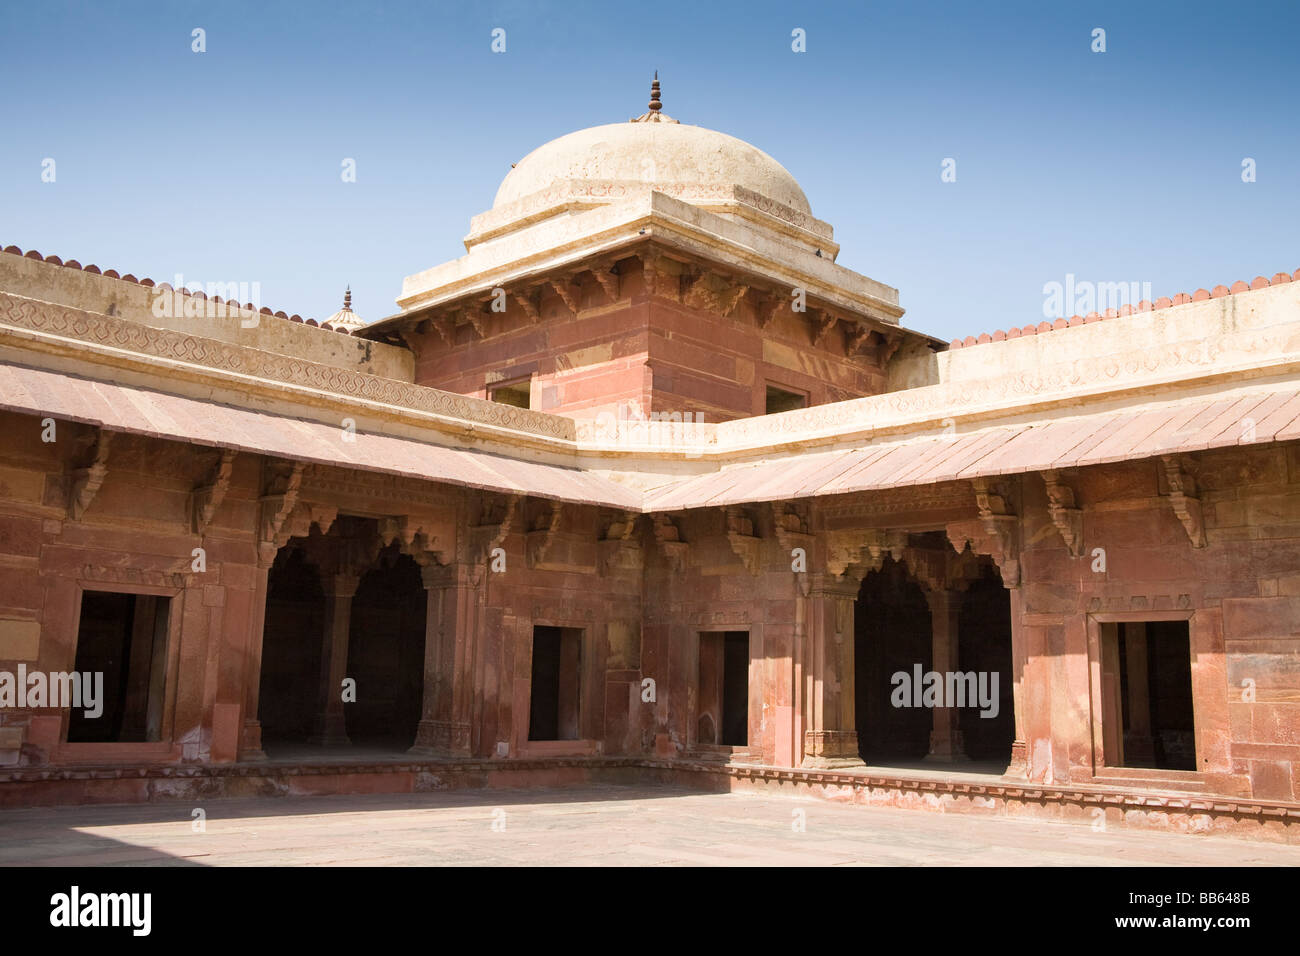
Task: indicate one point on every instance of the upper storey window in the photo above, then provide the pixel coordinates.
(784, 400)
(517, 393)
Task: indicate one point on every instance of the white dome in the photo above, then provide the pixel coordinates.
(654, 153)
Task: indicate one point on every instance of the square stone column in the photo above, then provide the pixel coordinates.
(830, 738)
(331, 724)
(449, 630)
(946, 743)
(250, 736)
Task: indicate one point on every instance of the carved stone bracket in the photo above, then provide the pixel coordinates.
(790, 524)
(426, 539)
(746, 545)
(86, 480)
(606, 273)
(1065, 515)
(531, 302)
(766, 306)
(206, 499)
(619, 549)
(495, 525)
(856, 552)
(857, 337)
(542, 538)
(714, 293)
(996, 532)
(1180, 487)
(823, 324)
(476, 317)
(569, 291)
(662, 277)
(283, 515)
(669, 538)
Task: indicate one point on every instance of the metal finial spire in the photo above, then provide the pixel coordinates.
(347, 298)
(656, 114)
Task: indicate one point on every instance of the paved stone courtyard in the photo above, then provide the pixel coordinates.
(592, 826)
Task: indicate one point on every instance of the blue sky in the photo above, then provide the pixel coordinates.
(1123, 166)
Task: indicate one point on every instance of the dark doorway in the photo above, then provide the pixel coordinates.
(984, 647)
(291, 649)
(723, 701)
(124, 638)
(386, 653)
(892, 635)
(1153, 662)
(555, 702)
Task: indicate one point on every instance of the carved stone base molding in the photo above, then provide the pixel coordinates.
(831, 749)
(438, 738)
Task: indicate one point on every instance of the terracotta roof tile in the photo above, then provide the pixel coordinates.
(113, 274)
(1200, 295)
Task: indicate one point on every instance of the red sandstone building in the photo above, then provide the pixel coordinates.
(647, 486)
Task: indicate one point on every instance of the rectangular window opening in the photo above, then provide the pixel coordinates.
(784, 400)
(723, 689)
(517, 393)
(1147, 695)
(124, 638)
(555, 706)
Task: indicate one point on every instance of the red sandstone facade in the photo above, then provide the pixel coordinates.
(201, 530)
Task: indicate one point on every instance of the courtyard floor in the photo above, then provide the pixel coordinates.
(591, 826)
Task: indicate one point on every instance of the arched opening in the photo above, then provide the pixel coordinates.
(343, 646)
(291, 649)
(386, 654)
(984, 646)
(933, 668)
(891, 636)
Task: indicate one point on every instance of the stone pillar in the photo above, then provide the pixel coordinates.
(1139, 745)
(1019, 765)
(449, 628)
(946, 743)
(250, 737)
(830, 737)
(331, 724)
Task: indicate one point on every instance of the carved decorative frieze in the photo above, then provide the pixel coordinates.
(1065, 514)
(132, 336)
(1180, 488)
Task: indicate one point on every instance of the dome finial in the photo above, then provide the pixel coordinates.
(656, 114)
(347, 298)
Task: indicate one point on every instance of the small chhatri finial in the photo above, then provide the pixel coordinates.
(347, 298)
(655, 103)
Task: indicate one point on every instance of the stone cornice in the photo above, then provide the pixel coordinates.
(561, 243)
(1259, 352)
